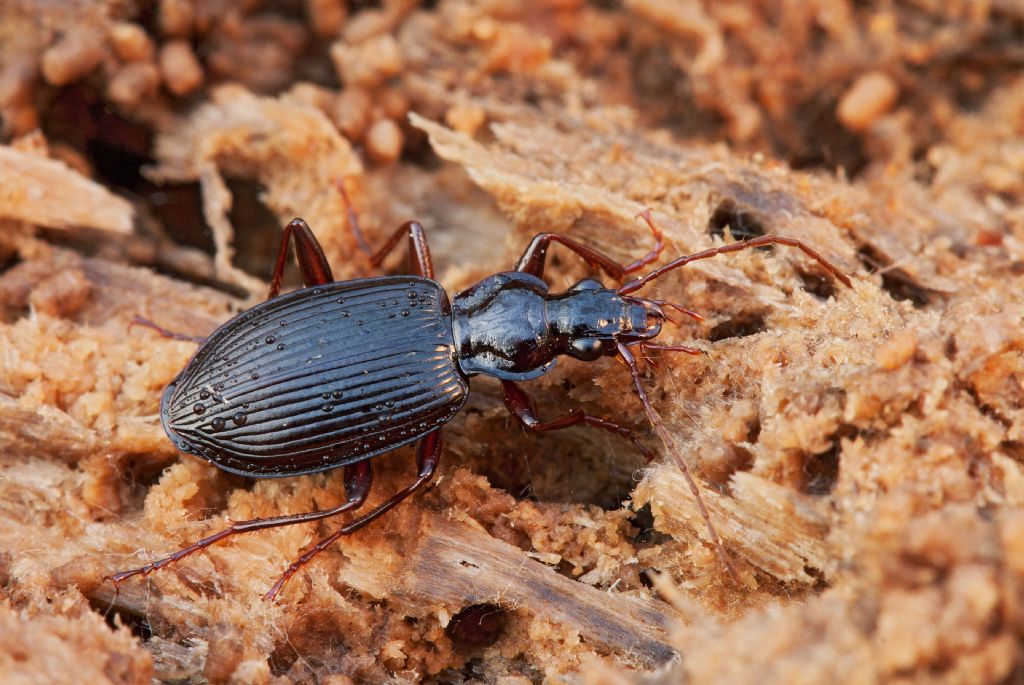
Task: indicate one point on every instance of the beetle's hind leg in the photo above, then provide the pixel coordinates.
(419, 251)
(519, 405)
(428, 454)
(357, 484)
(312, 261)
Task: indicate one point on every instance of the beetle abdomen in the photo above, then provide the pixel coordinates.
(320, 377)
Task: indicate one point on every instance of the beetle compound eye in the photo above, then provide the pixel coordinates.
(588, 284)
(586, 349)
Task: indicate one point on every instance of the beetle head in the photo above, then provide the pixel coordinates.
(589, 319)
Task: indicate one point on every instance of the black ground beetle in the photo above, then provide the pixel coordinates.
(337, 373)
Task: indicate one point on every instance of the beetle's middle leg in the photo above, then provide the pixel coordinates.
(519, 405)
(358, 477)
(428, 454)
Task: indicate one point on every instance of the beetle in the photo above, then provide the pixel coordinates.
(337, 373)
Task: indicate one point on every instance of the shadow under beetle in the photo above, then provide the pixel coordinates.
(337, 373)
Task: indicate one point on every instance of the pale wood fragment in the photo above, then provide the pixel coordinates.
(46, 192)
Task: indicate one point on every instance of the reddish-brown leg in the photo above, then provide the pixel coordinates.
(677, 457)
(419, 251)
(761, 241)
(533, 259)
(357, 484)
(353, 218)
(141, 321)
(428, 454)
(312, 262)
(520, 406)
(696, 316)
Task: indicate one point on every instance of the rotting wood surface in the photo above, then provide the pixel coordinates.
(860, 449)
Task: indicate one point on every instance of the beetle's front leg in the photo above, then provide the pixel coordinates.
(535, 256)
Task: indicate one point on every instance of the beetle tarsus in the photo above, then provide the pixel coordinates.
(358, 477)
(353, 218)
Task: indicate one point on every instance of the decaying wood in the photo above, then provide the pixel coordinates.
(47, 192)
(859, 448)
(781, 532)
(454, 565)
(277, 139)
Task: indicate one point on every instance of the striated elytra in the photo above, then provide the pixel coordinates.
(320, 378)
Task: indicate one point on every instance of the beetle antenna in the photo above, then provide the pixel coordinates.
(679, 308)
(353, 218)
(677, 457)
(173, 335)
(760, 241)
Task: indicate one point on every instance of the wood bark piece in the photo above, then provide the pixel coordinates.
(457, 565)
(46, 192)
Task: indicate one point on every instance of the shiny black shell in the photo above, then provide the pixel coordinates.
(319, 378)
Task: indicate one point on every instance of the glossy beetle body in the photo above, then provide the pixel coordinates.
(339, 372)
(327, 376)
(320, 378)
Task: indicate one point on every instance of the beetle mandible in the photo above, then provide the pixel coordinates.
(337, 373)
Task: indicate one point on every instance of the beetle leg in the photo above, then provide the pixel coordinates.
(418, 248)
(644, 346)
(312, 262)
(357, 484)
(173, 335)
(428, 454)
(519, 405)
(353, 218)
(419, 251)
(533, 259)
